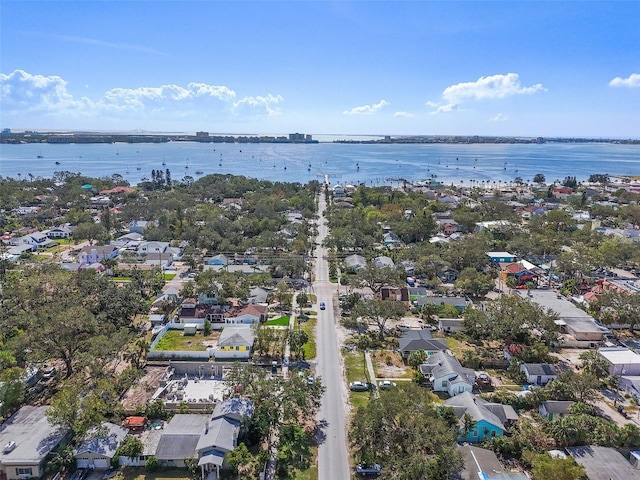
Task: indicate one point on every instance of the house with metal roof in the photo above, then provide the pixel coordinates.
(99, 447)
(489, 419)
(445, 374)
(483, 464)
(235, 342)
(355, 262)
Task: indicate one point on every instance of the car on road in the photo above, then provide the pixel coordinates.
(366, 470)
(359, 386)
(386, 385)
(322, 306)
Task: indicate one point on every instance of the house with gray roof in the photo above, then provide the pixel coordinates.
(555, 408)
(383, 261)
(480, 463)
(100, 446)
(539, 373)
(419, 340)
(235, 342)
(27, 438)
(603, 463)
(355, 263)
(207, 438)
(445, 374)
(180, 438)
(489, 419)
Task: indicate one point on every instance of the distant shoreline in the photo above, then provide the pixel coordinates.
(30, 137)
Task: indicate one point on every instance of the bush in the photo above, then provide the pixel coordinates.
(152, 464)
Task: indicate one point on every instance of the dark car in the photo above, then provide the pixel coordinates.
(322, 306)
(368, 470)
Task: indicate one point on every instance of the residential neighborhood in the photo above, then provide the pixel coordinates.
(235, 328)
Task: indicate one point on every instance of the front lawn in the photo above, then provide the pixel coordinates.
(174, 340)
(309, 347)
(140, 473)
(278, 322)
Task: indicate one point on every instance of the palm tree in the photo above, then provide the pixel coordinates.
(468, 424)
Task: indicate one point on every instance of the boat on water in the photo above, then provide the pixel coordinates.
(199, 172)
(57, 163)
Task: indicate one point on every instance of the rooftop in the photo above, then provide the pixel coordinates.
(602, 463)
(34, 436)
(619, 355)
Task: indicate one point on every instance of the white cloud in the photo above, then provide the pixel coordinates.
(632, 80)
(258, 105)
(489, 87)
(499, 117)
(23, 92)
(404, 114)
(366, 109)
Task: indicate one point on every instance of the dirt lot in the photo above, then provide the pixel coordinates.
(143, 391)
(396, 369)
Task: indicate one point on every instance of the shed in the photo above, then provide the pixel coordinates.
(190, 328)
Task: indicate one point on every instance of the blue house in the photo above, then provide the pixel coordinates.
(489, 419)
(501, 257)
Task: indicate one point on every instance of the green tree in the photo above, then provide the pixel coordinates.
(572, 386)
(131, 447)
(538, 178)
(594, 364)
(377, 277)
(471, 282)
(403, 431)
(545, 467)
(380, 312)
(619, 308)
(12, 390)
(61, 459)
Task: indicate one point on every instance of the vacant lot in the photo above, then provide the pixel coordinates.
(175, 340)
(388, 364)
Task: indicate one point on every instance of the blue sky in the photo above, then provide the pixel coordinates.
(457, 68)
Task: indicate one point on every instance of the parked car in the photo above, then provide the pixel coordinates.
(373, 470)
(322, 306)
(359, 386)
(49, 372)
(311, 380)
(386, 385)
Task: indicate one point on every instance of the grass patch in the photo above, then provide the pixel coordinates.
(457, 347)
(511, 388)
(169, 276)
(359, 399)
(397, 369)
(278, 322)
(312, 472)
(140, 473)
(355, 367)
(175, 340)
(309, 347)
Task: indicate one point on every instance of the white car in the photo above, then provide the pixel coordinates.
(386, 385)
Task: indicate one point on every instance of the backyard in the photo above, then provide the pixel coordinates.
(175, 340)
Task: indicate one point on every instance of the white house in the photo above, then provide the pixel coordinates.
(63, 231)
(249, 315)
(95, 254)
(36, 239)
(152, 247)
(447, 375)
(451, 325)
(621, 360)
(539, 373)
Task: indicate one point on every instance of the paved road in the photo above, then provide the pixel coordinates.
(333, 462)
